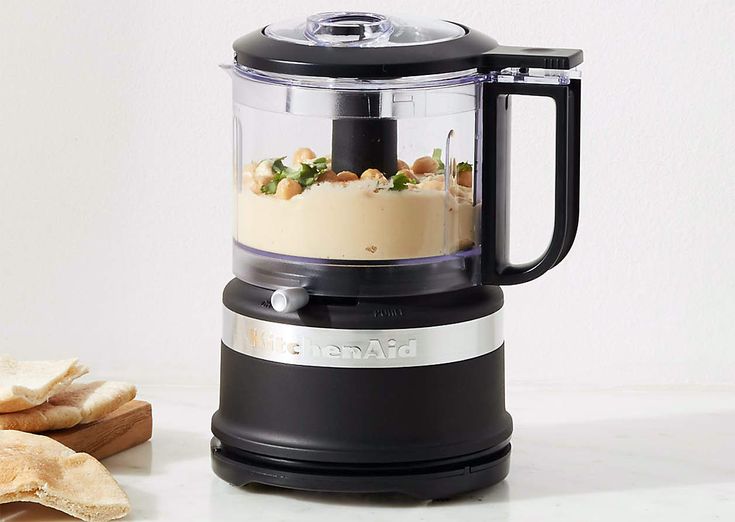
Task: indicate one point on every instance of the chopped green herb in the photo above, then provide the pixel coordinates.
(305, 173)
(401, 181)
(278, 166)
(437, 155)
(463, 166)
(279, 172)
(320, 163)
(270, 187)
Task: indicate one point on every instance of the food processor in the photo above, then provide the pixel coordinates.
(362, 346)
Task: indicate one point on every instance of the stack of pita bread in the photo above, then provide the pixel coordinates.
(39, 396)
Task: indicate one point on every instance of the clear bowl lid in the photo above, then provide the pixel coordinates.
(359, 29)
(362, 45)
(372, 46)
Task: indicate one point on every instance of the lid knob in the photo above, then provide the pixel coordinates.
(347, 29)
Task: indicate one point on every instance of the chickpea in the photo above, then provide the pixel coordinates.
(328, 176)
(262, 174)
(264, 169)
(373, 174)
(288, 188)
(464, 178)
(303, 155)
(346, 175)
(256, 185)
(425, 165)
(402, 165)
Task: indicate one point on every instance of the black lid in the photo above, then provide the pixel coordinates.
(366, 45)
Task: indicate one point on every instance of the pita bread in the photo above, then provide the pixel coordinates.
(79, 403)
(24, 384)
(34, 468)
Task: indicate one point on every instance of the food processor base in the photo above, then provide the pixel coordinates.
(440, 479)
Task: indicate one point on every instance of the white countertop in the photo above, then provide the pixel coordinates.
(603, 455)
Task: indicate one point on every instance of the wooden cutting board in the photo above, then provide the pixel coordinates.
(128, 426)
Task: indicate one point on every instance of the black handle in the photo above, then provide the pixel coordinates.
(496, 266)
(504, 56)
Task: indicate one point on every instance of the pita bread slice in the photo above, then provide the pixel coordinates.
(34, 468)
(24, 384)
(79, 403)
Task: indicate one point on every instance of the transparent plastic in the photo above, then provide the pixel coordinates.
(351, 186)
(291, 200)
(350, 29)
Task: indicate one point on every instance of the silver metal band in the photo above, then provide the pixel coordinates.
(337, 348)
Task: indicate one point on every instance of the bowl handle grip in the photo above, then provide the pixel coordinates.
(496, 266)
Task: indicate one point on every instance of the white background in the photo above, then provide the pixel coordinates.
(115, 178)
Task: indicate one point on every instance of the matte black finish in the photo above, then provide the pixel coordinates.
(496, 267)
(428, 431)
(530, 57)
(361, 415)
(366, 313)
(473, 50)
(357, 278)
(359, 144)
(432, 480)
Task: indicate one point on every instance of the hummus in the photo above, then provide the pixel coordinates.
(358, 221)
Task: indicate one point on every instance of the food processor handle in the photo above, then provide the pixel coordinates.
(496, 266)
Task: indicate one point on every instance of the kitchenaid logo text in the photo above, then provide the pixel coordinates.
(261, 341)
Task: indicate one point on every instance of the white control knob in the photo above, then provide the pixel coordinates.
(286, 300)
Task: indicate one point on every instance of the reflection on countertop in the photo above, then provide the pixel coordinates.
(578, 454)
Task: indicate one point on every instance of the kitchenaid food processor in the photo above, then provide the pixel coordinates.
(362, 345)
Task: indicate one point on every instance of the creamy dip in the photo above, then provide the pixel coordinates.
(356, 221)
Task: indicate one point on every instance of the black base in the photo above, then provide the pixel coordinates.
(429, 431)
(433, 480)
